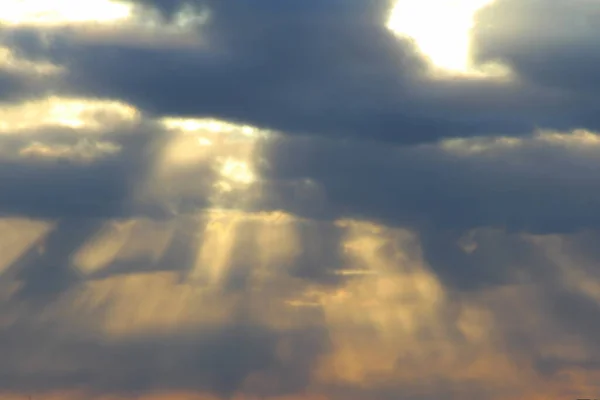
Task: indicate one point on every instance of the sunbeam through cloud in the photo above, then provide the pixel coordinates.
(306, 200)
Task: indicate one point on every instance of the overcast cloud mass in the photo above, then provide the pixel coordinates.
(298, 200)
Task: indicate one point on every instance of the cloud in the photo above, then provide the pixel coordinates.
(555, 46)
(185, 322)
(49, 181)
(23, 77)
(544, 183)
(16, 85)
(332, 70)
(216, 199)
(212, 360)
(180, 342)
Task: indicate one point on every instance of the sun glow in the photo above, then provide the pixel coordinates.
(440, 28)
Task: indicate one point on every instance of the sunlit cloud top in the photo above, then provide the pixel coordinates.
(442, 30)
(66, 112)
(59, 12)
(211, 125)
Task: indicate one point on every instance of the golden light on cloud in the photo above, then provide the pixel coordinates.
(577, 140)
(73, 113)
(196, 125)
(236, 177)
(216, 245)
(119, 300)
(127, 310)
(237, 171)
(389, 317)
(107, 21)
(84, 151)
(441, 30)
(224, 152)
(402, 298)
(60, 12)
(187, 150)
(399, 324)
(10, 61)
(183, 298)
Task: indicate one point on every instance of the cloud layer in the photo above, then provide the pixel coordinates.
(239, 200)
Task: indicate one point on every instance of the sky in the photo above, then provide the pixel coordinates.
(299, 200)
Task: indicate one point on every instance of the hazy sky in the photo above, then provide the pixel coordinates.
(299, 199)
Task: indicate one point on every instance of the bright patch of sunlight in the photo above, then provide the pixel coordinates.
(237, 171)
(185, 151)
(66, 112)
(59, 12)
(235, 175)
(442, 31)
(194, 125)
(227, 149)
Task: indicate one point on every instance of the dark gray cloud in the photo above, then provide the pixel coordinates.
(216, 360)
(10, 85)
(58, 187)
(328, 69)
(535, 186)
